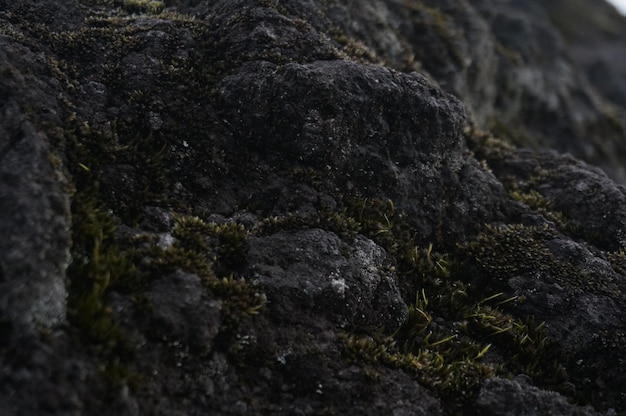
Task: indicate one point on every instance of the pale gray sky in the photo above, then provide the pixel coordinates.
(620, 5)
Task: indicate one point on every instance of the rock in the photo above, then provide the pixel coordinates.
(291, 208)
(34, 254)
(377, 133)
(517, 397)
(182, 313)
(594, 41)
(599, 201)
(349, 284)
(509, 64)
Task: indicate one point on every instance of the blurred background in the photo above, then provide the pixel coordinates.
(620, 5)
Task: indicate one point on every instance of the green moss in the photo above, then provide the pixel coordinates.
(536, 202)
(353, 49)
(514, 133)
(113, 35)
(486, 146)
(527, 345)
(618, 260)
(427, 364)
(228, 242)
(454, 358)
(93, 151)
(240, 301)
(447, 341)
(98, 261)
(143, 6)
(344, 226)
(443, 361)
(511, 250)
(212, 252)
(98, 264)
(232, 247)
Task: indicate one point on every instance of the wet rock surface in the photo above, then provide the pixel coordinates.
(309, 207)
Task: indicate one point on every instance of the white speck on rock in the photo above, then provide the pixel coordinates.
(338, 284)
(165, 241)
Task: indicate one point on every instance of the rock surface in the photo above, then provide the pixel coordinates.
(311, 207)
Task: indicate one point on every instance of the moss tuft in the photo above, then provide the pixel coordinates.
(506, 251)
(213, 252)
(126, 170)
(240, 300)
(502, 252)
(98, 264)
(143, 6)
(618, 260)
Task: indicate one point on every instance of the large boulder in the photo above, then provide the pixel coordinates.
(262, 207)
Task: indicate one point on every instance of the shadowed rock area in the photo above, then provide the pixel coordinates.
(405, 207)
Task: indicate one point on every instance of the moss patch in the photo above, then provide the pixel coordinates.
(511, 250)
(213, 252)
(453, 338)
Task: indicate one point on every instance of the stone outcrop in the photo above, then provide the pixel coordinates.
(311, 207)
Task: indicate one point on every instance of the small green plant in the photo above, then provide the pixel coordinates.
(240, 300)
(232, 248)
(618, 260)
(143, 6)
(98, 264)
(212, 252)
(440, 357)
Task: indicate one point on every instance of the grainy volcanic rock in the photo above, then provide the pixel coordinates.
(311, 207)
(376, 132)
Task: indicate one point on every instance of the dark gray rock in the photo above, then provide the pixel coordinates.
(590, 201)
(34, 253)
(594, 34)
(509, 64)
(350, 284)
(578, 291)
(456, 48)
(57, 15)
(378, 133)
(285, 127)
(502, 397)
(182, 312)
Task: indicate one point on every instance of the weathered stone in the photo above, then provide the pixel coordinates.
(350, 284)
(34, 253)
(279, 208)
(500, 397)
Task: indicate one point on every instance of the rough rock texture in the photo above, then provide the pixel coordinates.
(394, 146)
(594, 38)
(509, 64)
(311, 207)
(283, 263)
(34, 254)
(517, 398)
